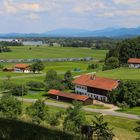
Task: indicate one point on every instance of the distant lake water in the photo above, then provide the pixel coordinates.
(34, 43)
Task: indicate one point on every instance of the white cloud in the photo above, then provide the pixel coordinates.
(126, 2)
(32, 16)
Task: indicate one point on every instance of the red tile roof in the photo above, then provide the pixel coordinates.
(68, 95)
(22, 66)
(134, 60)
(96, 82)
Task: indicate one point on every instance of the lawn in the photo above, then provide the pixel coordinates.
(23, 52)
(121, 73)
(134, 110)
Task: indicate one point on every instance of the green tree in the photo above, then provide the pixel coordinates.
(10, 107)
(37, 66)
(19, 90)
(101, 129)
(137, 130)
(75, 117)
(68, 79)
(111, 63)
(37, 111)
(35, 85)
(52, 81)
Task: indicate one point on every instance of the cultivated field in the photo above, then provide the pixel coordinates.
(23, 52)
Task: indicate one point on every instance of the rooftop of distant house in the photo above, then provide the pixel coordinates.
(96, 82)
(22, 66)
(134, 60)
(68, 95)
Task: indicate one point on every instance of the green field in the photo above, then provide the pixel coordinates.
(23, 52)
(121, 73)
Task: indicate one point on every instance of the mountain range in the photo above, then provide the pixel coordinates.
(108, 32)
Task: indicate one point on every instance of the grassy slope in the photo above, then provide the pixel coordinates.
(52, 52)
(121, 73)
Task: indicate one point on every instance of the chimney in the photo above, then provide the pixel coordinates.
(93, 77)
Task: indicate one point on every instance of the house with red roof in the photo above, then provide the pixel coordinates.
(134, 62)
(69, 97)
(25, 68)
(94, 87)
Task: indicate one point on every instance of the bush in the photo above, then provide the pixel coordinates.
(35, 85)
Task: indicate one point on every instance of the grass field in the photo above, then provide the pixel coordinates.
(134, 110)
(121, 73)
(23, 52)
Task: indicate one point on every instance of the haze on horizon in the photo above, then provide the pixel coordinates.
(37, 16)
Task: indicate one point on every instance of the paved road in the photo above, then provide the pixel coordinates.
(102, 111)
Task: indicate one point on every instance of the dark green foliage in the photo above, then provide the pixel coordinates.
(101, 129)
(52, 81)
(19, 90)
(6, 85)
(137, 130)
(111, 63)
(128, 92)
(75, 117)
(37, 111)
(4, 49)
(37, 66)
(35, 85)
(92, 66)
(128, 48)
(12, 43)
(68, 79)
(18, 130)
(10, 107)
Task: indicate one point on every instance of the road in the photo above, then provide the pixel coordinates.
(102, 111)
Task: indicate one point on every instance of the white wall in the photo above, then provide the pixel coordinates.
(83, 91)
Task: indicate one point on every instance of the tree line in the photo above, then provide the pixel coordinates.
(125, 49)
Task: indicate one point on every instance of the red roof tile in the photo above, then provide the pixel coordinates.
(134, 60)
(68, 95)
(22, 66)
(97, 82)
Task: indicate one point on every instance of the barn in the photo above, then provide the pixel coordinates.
(69, 97)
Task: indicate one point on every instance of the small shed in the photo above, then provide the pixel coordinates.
(69, 97)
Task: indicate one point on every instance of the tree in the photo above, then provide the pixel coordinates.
(10, 107)
(111, 63)
(37, 66)
(19, 90)
(137, 129)
(53, 119)
(75, 117)
(101, 129)
(68, 79)
(52, 81)
(37, 111)
(35, 85)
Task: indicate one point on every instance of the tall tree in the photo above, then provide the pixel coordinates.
(75, 117)
(37, 66)
(101, 129)
(37, 111)
(10, 107)
(68, 79)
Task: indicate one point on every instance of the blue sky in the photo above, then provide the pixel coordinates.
(26, 16)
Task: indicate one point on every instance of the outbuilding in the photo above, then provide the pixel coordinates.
(134, 62)
(69, 97)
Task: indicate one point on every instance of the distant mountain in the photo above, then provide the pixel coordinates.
(108, 32)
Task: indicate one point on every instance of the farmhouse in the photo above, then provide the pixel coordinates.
(22, 68)
(134, 62)
(69, 97)
(95, 87)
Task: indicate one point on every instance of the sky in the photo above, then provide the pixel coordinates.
(36, 16)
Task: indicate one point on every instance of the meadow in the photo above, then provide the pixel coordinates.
(30, 52)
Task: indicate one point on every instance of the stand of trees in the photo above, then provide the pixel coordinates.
(127, 94)
(128, 48)
(10, 43)
(4, 49)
